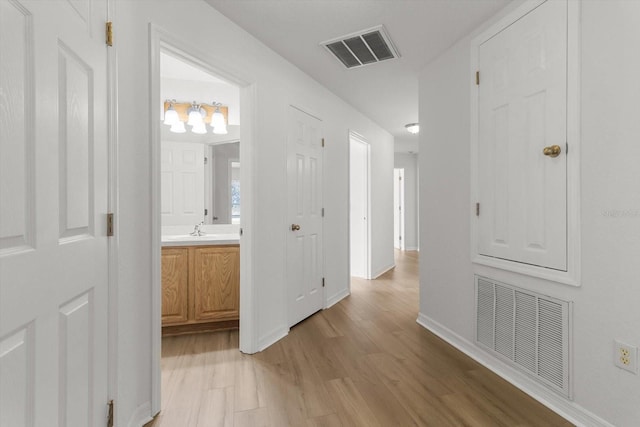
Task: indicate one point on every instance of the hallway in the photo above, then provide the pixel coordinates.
(363, 362)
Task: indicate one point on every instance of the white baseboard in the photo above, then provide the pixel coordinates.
(337, 298)
(411, 248)
(382, 271)
(563, 407)
(272, 337)
(141, 415)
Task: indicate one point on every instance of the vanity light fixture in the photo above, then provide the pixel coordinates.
(176, 114)
(413, 127)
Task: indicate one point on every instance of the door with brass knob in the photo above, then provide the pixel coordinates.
(552, 151)
(522, 113)
(305, 256)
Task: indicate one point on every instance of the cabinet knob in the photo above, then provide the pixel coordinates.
(295, 227)
(552, 151)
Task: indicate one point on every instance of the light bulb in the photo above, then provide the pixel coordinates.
(220, 129)
(199, 128)
(217, 119)
(178, 127)
(195, 115)
(171, 116)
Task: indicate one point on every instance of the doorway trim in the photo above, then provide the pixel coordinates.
(162, 40)
(355, 137)
(399, 208)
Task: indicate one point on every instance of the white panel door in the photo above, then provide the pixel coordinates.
(523, 109)
(182, 183)
(359, 207)
(305, 260)
(53, 205)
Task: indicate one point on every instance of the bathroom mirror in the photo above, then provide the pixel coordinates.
(200, 182)
(222, 184)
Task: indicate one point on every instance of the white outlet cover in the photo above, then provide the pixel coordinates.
(632, 355)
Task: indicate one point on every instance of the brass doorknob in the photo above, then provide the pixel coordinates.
(552, 151)
(295, 227)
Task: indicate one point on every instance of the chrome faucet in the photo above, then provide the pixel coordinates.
(196, 230)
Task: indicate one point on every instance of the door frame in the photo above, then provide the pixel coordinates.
(398, 189)
(112, 207)
(357, 138)
(481, 262)
(162, 40)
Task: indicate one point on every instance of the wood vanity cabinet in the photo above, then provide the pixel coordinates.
(200, 288)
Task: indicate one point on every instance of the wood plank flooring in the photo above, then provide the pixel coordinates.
(363, 362)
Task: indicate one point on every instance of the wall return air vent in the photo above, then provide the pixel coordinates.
(527, 330)
(363, 47)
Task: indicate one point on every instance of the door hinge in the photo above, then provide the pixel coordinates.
(399, 237)
(110, 414)
(323, 142)
(477, 77)
(322, 212)
(566, 148)
(323, 282)
(205, 160)
(206, 212)
(110, 224)
(109, 33)
(477, 209)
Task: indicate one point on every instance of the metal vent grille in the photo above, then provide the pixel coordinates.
(528, 330)
(362, 48)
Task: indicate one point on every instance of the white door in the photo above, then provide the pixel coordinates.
(182, 183)
(522, 110)
(398, 208)
(359, 207)
(53, 205)
(304, 228)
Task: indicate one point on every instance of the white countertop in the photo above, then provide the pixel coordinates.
(206, 240)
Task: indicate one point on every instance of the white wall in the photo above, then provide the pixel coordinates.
(409, 162)
(277, 84)
(606, 305)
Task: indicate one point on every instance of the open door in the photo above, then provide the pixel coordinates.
(359, 206)
(305, 267)
(53, 213)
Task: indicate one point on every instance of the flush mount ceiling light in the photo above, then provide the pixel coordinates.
(362, 47)
(413, 127)
(176, 114)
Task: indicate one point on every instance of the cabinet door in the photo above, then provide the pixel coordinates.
(523, 109)
(217, 283)
(175, 281)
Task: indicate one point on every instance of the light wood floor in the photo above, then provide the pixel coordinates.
(363, 362)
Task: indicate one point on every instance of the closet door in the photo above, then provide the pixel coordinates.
(522, 167)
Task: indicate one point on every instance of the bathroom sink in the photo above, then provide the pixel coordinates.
(206, 239)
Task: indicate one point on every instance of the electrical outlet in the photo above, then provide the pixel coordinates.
(626, 356)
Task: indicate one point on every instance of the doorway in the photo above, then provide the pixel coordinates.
(398, 209)
(359, 235)
(165, 43)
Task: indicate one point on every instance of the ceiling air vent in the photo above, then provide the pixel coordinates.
(363, 47)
